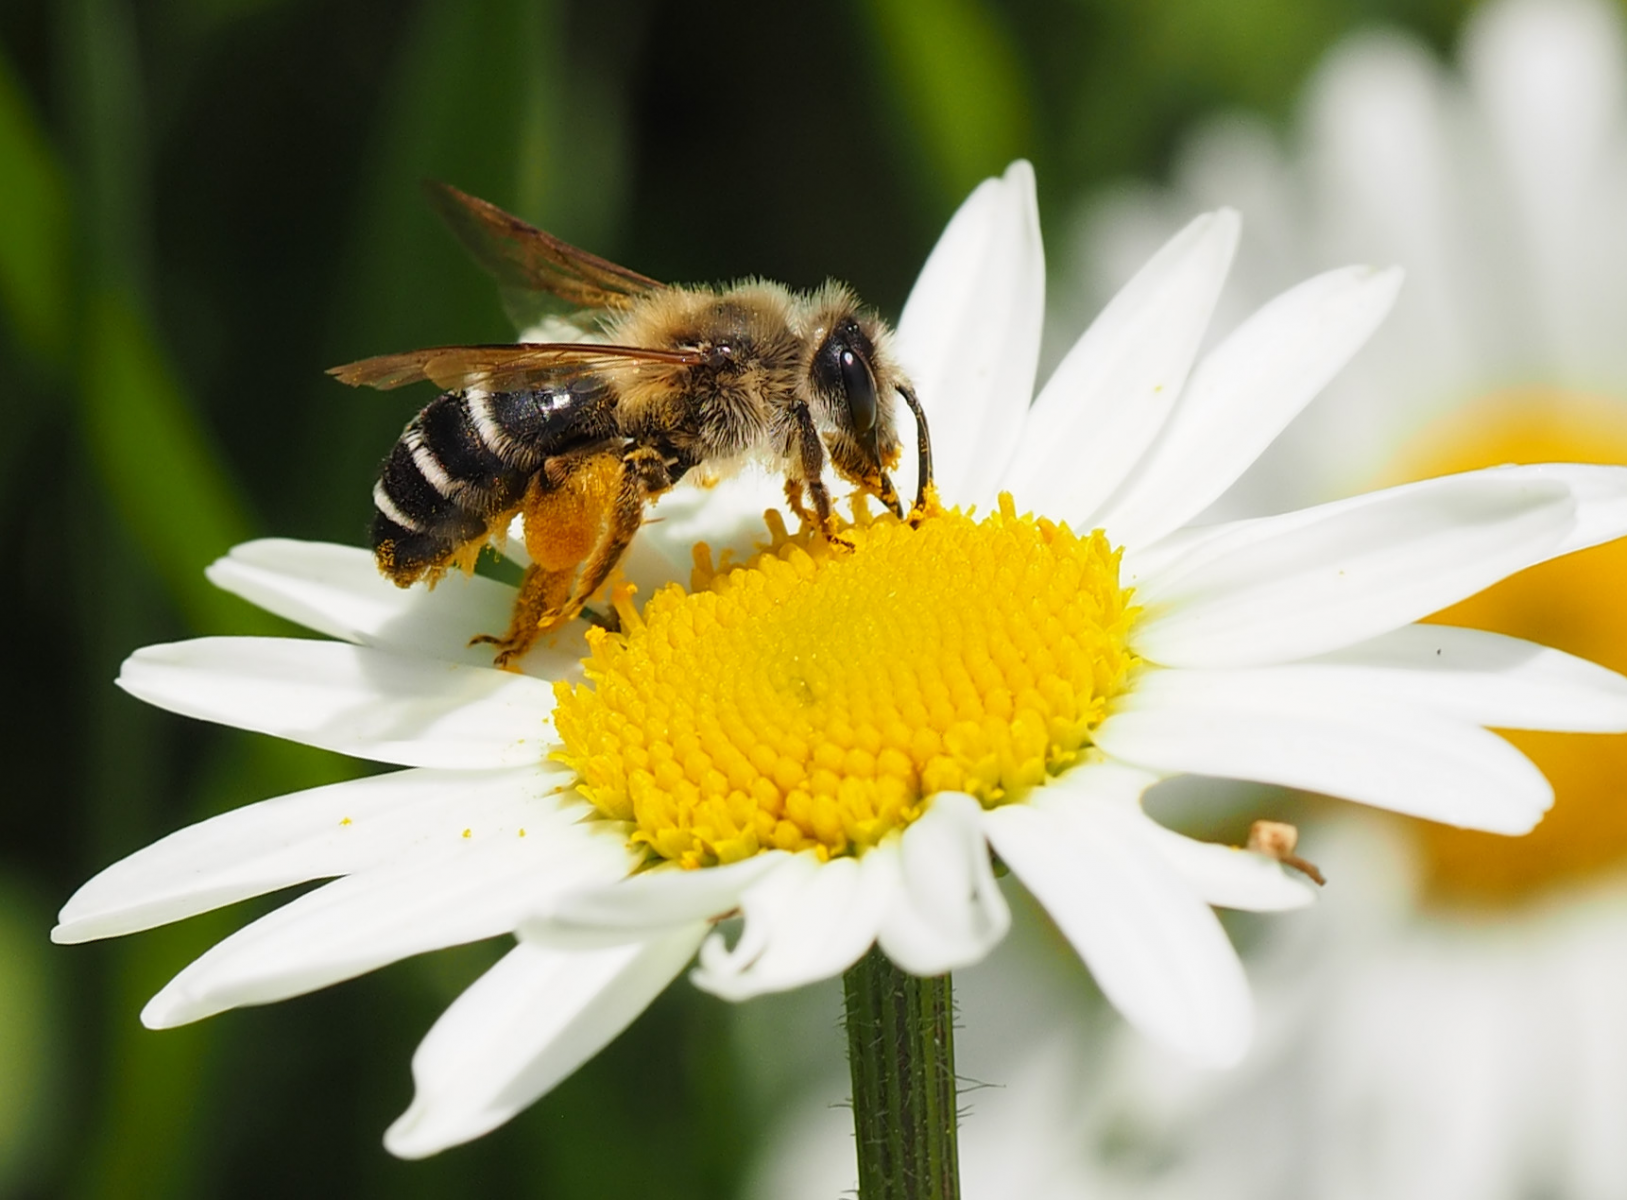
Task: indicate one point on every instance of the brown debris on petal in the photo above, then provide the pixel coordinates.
(1278, 839)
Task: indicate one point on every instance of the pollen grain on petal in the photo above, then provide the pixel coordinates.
(813, 696)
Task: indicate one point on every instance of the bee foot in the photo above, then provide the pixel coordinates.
(509, 647)
(835, 537)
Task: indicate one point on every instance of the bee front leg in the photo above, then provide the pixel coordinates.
(926, 492)
(888, 495)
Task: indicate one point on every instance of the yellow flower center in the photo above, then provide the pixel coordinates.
(1573, 603)
(816, 695)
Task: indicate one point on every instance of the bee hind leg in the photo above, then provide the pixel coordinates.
(563, 511)
(543, 593)
(644, 476)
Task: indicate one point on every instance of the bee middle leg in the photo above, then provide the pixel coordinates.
(810, 474)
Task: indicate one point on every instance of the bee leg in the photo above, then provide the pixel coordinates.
(820, 495)
(925, 492)
(888, 495)
(563, 512)
(644, 476)
(543, 592)
(793, 500)
(810, 452)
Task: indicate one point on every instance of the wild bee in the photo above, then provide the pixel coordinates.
(579, 437)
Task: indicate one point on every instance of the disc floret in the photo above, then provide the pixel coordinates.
(818, 695)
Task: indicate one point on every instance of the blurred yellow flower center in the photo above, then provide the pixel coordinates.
(1573, 603)
(817, 695)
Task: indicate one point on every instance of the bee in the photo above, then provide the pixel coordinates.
(578, 438)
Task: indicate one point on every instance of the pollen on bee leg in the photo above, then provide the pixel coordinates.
(929, 505)
(1277, 839)
(793, 501)
(542, 594)
(563, 523)
(467, 556)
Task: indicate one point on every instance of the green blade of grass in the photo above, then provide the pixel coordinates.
(952, 69)
(34, 246)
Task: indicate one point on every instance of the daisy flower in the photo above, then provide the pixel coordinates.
(1454, 1028)
(830, 741)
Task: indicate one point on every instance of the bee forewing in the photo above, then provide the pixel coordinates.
(385, 371)
(521, 255)
(503, 367)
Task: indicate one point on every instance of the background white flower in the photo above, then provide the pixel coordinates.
(1500, 190)
(1450, 1022)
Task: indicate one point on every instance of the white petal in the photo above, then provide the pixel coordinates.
(1253, 725)
(512, 544)
(521, 1028)
(475, 888)
(1600, 493)
(1305, 583)
(326, 831)
(947, 911)
(1221, 875)
(338, 590)
(1110, 395)
(646, 902)
(1104, 782)
(1243, 394)
(1476, 676)
(1156, 950)
(805, 921)
(353, 699)
(969, 334)
(1227, 876)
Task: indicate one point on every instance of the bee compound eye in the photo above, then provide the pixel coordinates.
(860, 387)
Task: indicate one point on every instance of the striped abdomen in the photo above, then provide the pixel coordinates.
(465, 461)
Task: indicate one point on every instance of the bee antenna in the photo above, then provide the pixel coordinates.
(923, 446)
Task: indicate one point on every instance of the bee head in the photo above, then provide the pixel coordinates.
(853, 385)
(846, 380)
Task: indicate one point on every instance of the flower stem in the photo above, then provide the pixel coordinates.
(901, 1048)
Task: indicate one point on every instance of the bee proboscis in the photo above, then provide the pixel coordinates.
(579, 437)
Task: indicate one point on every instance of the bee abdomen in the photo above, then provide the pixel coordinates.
(439, 490)
(465, 460)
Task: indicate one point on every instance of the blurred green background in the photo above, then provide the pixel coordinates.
(203, 204)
